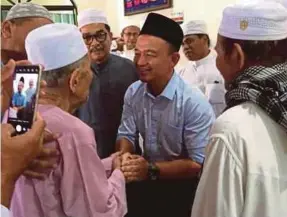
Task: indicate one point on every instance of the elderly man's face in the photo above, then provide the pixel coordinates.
(31, 83)
(98, 40)
(20, 86)
(130, 35)
(83, 86)
(15, 32)
(194, 47)
(229, 64)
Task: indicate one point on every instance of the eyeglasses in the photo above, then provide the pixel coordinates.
(99, 36)
(130, 34)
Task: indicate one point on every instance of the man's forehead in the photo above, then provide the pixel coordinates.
(93, 28)
(149, 42)
(132, 29)
(192, 36)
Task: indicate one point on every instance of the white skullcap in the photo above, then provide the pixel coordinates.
(27, 10)
(259, 20)
(126, 23)
(194, 27)
(90, 16)
(55, 45)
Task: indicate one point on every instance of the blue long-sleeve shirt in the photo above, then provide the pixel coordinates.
(174, 125)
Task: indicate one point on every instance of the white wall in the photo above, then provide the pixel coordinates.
(208, 10)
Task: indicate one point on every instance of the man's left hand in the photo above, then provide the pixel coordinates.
(45, 161)
(135, 168)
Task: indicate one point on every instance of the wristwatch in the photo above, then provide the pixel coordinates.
(153, 171)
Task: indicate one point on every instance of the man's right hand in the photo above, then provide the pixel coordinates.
(45, 161)
(18, 151)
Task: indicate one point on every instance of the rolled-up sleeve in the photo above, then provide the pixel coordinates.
(128, 127)
(198, 122)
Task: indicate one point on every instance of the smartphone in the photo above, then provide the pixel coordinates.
(23, 104)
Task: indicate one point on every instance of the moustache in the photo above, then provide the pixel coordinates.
(96, 49)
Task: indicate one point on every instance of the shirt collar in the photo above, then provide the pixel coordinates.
(126, 49)
(206, 59)
(170, 88)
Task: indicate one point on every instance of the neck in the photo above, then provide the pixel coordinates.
(6, 55)
(59, 98)
(156, 87)
(205, 53)
(128, 48)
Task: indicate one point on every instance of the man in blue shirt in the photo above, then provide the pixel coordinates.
(173, 118)
(19, 99)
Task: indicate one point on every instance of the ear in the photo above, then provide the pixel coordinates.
(6, 29)
(175, 58)
(74, 81)
(238, 55)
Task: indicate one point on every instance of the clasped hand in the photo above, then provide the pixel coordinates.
(134, 167)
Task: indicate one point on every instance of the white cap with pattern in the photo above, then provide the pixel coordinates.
(26, 10)
(55, 45)
(194, 27)
(90, 16)
(255, 20)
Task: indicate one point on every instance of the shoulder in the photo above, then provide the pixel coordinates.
(233, 121)
(135, 89)
(59, 121)
(122, 62)
(248, 127)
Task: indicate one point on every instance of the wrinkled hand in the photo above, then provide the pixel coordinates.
(135, 168)
(117, 160)
(45, 161)
(18, 151)
(120, 43)
(125, 157)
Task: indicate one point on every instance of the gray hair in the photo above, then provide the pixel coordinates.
(56, 77)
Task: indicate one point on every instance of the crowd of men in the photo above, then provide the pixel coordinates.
(124, 134)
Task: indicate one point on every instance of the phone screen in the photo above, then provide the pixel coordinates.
(24, 102)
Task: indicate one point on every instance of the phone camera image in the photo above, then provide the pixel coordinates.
(23, 103)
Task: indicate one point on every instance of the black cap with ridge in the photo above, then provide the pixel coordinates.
(165, 28)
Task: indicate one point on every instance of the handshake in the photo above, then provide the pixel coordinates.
(134, 167)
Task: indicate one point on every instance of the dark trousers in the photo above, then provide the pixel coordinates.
(172, 198)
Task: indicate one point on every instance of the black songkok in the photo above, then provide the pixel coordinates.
(165, 28)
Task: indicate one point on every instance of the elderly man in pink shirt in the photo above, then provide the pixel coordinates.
(81, 185)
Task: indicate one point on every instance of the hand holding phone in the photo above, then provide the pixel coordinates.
(23, 104)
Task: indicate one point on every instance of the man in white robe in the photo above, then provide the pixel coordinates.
(245, 169)
(202, 70)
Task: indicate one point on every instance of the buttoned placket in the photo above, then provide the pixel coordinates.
(152, 125)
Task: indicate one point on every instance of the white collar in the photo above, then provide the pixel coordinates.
(212, 54)
(126, 50)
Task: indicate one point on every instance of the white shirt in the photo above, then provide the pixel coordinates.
(245, 170)
(206, 76)
(129, 54)
(4, 211)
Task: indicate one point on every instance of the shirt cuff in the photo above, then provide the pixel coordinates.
(108, 163)
(118, 174)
